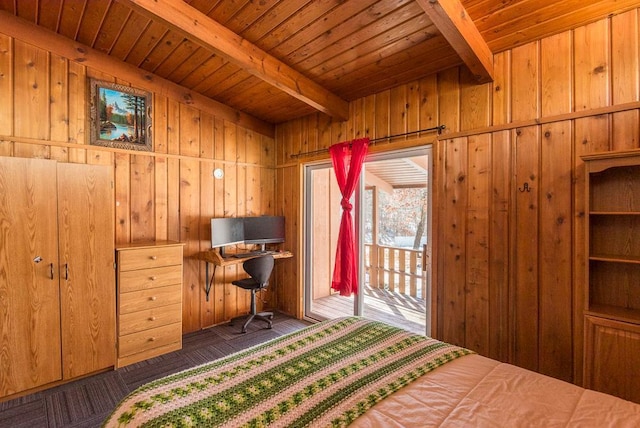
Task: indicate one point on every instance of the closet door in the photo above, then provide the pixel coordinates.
(87, 275)
(29, 292)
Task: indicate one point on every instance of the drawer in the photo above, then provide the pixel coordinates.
(143, 279)
(149, 299)
(149, 339)
(125, 360)
(142, 258)
(149, 318)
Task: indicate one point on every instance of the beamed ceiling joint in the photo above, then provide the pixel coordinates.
(452, 20)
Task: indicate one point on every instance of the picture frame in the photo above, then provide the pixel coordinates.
(120, 116)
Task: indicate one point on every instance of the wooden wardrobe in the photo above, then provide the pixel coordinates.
(57, 282)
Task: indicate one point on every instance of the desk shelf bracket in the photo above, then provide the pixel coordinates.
(209, 280)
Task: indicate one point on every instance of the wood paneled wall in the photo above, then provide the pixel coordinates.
(167, 194)
(508, 262)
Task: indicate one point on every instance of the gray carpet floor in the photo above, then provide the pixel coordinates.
(88, 402)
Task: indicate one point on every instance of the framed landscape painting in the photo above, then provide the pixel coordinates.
(120, 116)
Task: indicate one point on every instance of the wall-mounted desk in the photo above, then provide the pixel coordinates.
(213, 257)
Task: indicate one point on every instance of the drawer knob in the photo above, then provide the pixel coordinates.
(152, 339)
(152, 318)
(152, 278)
(153, 298)
(154, 257)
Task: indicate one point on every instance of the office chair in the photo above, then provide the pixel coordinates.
(259, 270)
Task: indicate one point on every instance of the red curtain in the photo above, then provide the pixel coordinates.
(345, 273)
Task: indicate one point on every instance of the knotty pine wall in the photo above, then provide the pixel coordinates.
(167, 194)
(508, 264)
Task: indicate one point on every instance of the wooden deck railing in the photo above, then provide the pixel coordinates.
(399, 270)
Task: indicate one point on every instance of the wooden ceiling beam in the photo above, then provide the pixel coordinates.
(193, 24)
(452, 20)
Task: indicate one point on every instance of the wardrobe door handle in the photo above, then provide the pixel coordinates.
(51, 272)
(66, 271)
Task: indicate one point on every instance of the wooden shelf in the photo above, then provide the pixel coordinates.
(213, 256)
(614, 213)
(615, 313)
(602, 161)
(615, 258)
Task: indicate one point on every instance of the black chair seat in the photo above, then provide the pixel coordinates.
(247, 283)
(259, 270)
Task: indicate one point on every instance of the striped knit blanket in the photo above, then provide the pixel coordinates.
(324, 375)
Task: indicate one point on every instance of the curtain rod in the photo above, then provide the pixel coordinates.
(372, 142)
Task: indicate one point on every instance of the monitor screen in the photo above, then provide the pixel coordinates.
(264, 229)
(226, 231)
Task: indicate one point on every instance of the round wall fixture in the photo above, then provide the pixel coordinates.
(218, 173)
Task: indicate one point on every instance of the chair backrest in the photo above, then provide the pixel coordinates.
(259, 268)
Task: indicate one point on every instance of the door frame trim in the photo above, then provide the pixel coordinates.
(306, 168)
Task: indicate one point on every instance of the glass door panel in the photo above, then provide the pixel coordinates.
(322, 221)
(396, 226)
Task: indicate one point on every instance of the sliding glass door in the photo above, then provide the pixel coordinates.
(322, 221)
(392, 216)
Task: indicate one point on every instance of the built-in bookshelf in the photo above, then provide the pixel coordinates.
(612, 293)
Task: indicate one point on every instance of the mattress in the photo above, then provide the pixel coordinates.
(475, 391)
(363, 373)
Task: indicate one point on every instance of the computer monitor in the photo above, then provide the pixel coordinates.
(264, 230)
(226, 231)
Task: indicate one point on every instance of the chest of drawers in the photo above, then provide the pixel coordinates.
(149, 278)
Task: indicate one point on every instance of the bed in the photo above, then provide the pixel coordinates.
(358, 372)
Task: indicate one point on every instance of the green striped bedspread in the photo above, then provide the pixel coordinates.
(324, 375)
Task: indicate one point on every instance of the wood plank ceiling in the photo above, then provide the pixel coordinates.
(278, 60)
